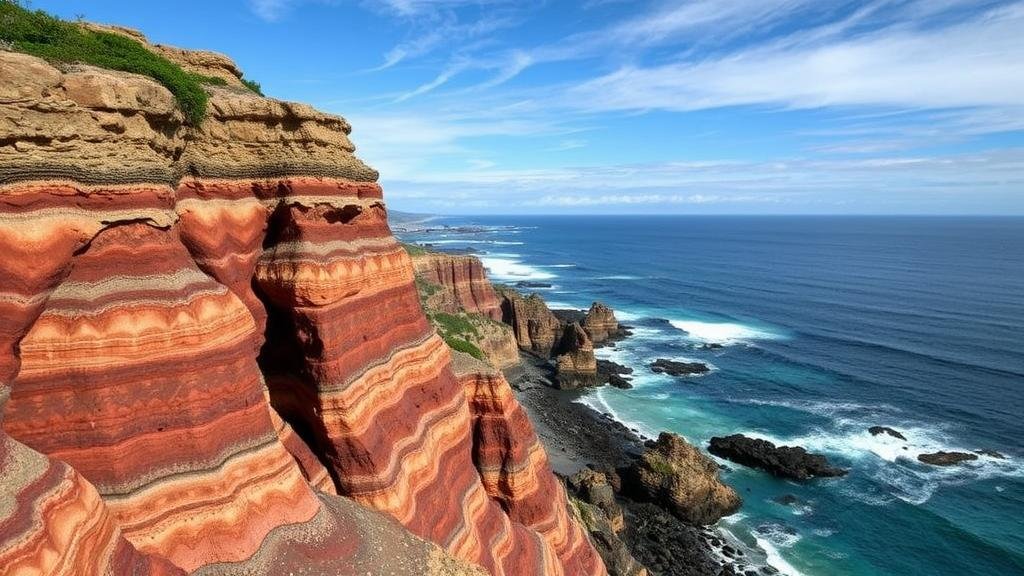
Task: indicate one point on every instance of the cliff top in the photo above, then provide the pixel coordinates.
(184, 73)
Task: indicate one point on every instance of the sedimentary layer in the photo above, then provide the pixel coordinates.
(166, 292)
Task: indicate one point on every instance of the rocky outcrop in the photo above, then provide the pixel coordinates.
(157, 281)
(600, 512)
(536, 329)
(784, 461)
(679, 477)
(942, 458)
(461, 303)
(675, 368)
(876, 430)
(574, 359)
(600, 323)
(464, 282)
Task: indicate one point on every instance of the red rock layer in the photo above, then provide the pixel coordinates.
(514, 466)
(139, 370)
(465, 277)
(375, 390)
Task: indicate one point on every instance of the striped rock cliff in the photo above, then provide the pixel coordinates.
(458, 286)
(212, 355)
(463, 277)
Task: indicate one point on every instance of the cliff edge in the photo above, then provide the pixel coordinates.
(213, 359)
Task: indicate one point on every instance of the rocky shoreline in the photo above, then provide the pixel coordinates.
(578, 438)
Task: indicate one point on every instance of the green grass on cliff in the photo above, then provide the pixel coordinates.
(464, 346)
(41, 34)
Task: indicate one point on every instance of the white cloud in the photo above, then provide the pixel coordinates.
(270, 10)
(976, 63)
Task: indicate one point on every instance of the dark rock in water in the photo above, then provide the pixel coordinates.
(787, 500)
(942, 458)
(609, 367)
(673, 368)
(712, 346)
(619, 382)
(991, 454)
(532, 284)
(876, 430)
(784, 461)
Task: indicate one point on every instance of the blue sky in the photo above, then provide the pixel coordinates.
(612, 106)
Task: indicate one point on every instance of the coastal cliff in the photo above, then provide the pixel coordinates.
(213, 357)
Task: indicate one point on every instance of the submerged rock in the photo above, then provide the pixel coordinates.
(876, 430)
(784, 461)
(942, 458)
(674, 368)
(678, 476)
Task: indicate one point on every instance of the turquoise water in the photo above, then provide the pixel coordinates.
(829, 325)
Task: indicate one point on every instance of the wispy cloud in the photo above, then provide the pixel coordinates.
(976, 63)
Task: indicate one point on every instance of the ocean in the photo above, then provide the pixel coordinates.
(828, 326)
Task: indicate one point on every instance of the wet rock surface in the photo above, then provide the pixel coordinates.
(675, 368)
(783, 461)
(942, 458)
(876, 430)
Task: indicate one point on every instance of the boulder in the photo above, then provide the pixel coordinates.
(876, 430)
(677, 476)
(783, 461)
(942, 458)
(674, 368)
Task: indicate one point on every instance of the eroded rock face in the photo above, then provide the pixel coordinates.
(678, 476)
(157, 281)
(785, 461)
(464, 278)
(536, 329)
(574, 359)
(600, 323)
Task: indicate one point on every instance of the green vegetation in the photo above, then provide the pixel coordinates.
(454, 324)
(413, 249)
(659, 464)
(461, 345)
(252, 85)
(426, 289)
(40, 34)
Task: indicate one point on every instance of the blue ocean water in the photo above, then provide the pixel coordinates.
(828, 325)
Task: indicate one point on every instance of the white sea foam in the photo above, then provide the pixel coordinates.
(468, 241)
(778, 534)
(775, 559)
(617, 277)
(509, 269)
(722, 332)
(558, 266)
(596, 400)
(627, 315)
(892, 463)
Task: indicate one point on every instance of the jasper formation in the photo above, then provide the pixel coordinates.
(213, 359)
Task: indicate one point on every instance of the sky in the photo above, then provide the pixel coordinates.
(648, 107)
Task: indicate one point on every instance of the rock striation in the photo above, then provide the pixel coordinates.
(464, 280)
(535, 327)
(213, 358)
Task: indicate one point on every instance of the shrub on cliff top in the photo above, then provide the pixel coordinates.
(56, 40)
